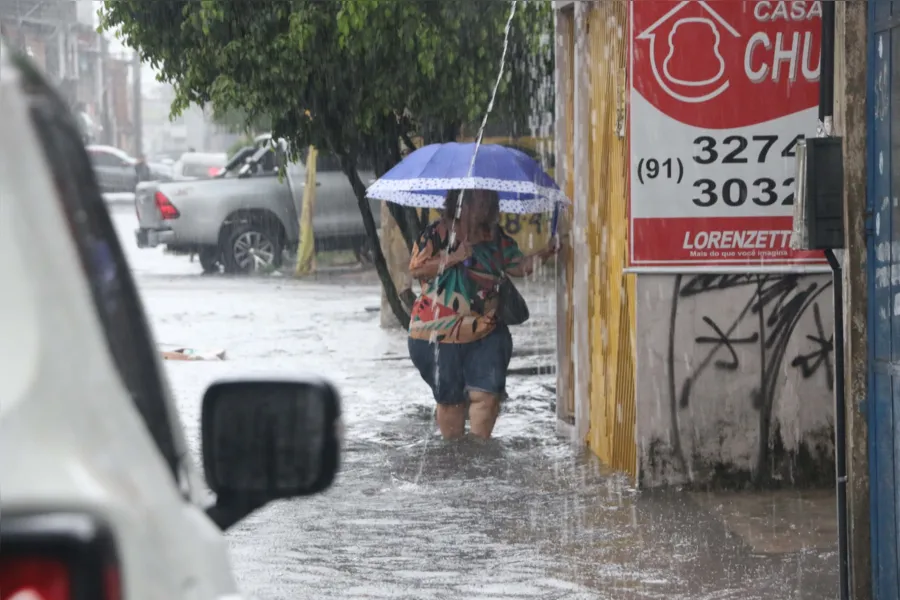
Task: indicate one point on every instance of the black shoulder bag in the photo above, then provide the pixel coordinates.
(513, 308)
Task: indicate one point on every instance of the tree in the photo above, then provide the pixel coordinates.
(356, 77)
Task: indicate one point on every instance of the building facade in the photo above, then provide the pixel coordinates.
(880, 270)
(60, 37)
(702, 376)
(687, 404)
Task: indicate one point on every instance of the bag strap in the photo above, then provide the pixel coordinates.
(498, 237)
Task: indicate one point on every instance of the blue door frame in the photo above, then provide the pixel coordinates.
(883, 228)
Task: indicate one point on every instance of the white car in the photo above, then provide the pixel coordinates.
(198, 165)
(99, 499)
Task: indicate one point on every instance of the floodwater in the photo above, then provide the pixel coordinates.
(523, 516)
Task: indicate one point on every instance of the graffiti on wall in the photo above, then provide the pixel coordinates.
(760, 330)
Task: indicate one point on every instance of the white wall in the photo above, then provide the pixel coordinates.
(722, 358)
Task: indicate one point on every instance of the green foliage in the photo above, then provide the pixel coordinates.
(350, 76)
(368, 71)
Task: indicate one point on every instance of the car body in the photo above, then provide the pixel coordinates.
(165, 158)
(249, 205)
(198, 165)
(115, 169)
(101, 499)
(160, 171)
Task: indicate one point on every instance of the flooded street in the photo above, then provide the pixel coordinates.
(524, 516)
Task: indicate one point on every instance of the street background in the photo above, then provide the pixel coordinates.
(524, 516)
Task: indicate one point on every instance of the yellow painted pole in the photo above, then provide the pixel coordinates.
(306, 249)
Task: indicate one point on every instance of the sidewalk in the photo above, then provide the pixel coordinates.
(777, 522)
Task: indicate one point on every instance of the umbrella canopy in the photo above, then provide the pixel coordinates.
(424, 177)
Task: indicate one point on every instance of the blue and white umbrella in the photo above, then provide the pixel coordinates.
(424, 177)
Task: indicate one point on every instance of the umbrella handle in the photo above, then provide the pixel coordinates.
(554, 222)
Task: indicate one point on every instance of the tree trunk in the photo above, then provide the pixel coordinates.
(408, 143)
(442, 132)
(451, 132)
(408, 222)
(387, 156)
(390, 290)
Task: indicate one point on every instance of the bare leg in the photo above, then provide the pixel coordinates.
(483, 413)
(451, 420)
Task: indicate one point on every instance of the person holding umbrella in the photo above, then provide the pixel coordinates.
(459, 336)
(459, 310)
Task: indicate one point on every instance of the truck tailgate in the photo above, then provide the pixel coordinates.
(148, 214)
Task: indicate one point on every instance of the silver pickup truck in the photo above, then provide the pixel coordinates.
(245, 218)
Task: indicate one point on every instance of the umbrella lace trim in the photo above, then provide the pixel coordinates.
(415, 192)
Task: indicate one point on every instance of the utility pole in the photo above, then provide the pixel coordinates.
(137, 99)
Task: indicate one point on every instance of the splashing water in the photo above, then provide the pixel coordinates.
(445, 255)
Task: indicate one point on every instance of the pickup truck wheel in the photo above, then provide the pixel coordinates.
(209, 259)
(252, 247)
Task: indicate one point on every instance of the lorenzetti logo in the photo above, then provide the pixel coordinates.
(736, 240)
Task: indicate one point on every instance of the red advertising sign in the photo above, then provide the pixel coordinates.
(721, 91)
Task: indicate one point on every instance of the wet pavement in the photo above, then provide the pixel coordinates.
(523, 516)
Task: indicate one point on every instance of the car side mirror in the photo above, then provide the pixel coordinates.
(268, 440)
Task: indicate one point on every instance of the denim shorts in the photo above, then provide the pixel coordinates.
(454, 369)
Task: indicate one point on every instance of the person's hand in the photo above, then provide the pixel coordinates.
(462, 253)
(551, 249)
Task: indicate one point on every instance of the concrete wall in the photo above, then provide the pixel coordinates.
(850, 123)
(735, 378)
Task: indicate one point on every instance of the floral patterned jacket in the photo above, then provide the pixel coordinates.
(460, 305)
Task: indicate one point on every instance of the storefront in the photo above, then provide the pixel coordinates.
(696, 346)
(884, 293)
